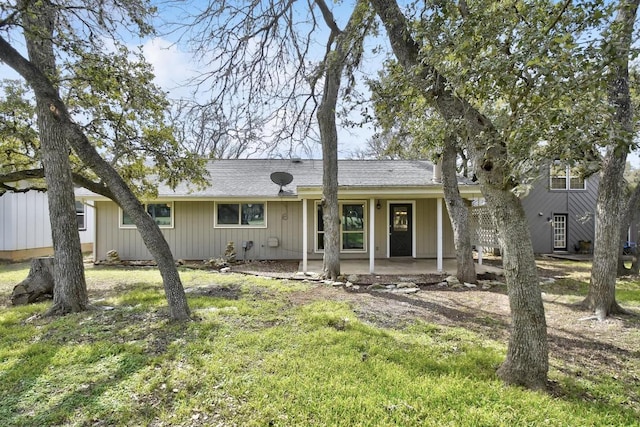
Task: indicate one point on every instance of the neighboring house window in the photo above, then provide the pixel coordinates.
(352, 227)
(566, 178)
(162, 214)
(81, 216)
(241, 215)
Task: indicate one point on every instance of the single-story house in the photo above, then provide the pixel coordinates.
(270, 209)
(25, 229)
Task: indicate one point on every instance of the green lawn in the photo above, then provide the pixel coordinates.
(259, 355)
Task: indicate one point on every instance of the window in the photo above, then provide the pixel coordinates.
(240, 215)
(566, 178)
(352, 227)
(80, 216)
(162, 213)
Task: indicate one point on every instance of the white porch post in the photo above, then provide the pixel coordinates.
(480, 249)
(372, 235)
(439, 234)
(305, 235)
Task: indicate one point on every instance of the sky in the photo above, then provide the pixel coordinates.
(174, 66)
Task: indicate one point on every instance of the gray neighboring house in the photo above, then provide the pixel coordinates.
(561, 210)
(389, 208)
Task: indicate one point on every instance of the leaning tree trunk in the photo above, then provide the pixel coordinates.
(38, 286)
(602, 289)
(148, 229)
(458, 214)
(70, 292)
(527, 361)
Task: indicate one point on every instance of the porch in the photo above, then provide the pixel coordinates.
(397, 266)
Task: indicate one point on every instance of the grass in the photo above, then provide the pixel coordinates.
(257, 356)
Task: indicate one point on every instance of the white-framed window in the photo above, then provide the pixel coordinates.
(162, 214)
(353, 237)
(241, 215)
(81, 216)
(564, 177)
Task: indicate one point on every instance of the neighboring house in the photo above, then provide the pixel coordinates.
(25, 230)
(387, 209)
(561, 210)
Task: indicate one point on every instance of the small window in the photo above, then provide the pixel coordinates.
(564, 177)
(162, 214)
(558, 177)
(81, 216)
(240, 215)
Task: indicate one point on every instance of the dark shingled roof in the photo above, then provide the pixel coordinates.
(251, 177)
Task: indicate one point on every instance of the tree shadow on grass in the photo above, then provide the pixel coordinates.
(37, 378)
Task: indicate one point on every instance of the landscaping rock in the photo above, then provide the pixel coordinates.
(376, 286)
(353, 278)
(225, 269)
(405, 285)
(405, 290)
(113, 257)
(469, 285)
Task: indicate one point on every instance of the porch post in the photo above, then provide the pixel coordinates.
(305, 237)
(372, 235)
(480, 249)
(439, 234)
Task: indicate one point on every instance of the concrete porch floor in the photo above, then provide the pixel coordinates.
(397, 266)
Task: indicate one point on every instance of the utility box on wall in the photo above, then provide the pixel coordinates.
(273, 242)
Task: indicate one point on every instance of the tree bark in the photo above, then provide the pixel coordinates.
(38, 286)
(148, 229)
(458, 214)
(335, 63)
(602, 289)
(70, 291)
(625, 222)
(527, 360)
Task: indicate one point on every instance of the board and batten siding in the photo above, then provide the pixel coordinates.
(193, 236)
(425, 219)
(579, 205)
(25, 229)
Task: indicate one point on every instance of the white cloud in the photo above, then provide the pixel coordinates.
(172, 67)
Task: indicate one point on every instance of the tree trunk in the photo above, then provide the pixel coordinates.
(148, 229)
(38, 286)
(329, 138)
(527, 360)
(458, 214)
(602, 289)
(70, 291)
(335, 62)
(625, 222)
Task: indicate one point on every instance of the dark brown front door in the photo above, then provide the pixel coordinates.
(400, 229)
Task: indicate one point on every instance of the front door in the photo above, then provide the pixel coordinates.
(560, 232)
(400, 229)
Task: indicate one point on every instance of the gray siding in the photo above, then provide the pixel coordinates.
(194, 237)
(579, 205)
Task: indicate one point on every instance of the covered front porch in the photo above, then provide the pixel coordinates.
(397, 266)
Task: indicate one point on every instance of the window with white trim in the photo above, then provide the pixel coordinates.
(162, 214)
(81, 216)
(565, 177)
(241, 215)
(352, 227)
